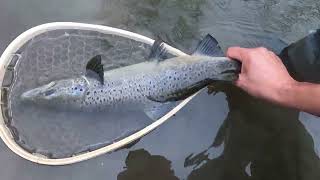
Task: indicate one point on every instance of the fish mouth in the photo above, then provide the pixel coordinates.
(29, 95)
(32, 94)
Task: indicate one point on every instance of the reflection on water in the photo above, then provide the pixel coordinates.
(251, 139)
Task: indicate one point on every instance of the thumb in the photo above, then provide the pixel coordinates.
(241, 81)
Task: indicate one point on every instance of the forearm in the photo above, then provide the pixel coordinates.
(264, 75)
(303, 96)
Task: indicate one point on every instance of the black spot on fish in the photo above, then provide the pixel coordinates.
(81, 89)
(95, 92)
(88, 93)
(169, 77)
(75, 88)
(101, 90)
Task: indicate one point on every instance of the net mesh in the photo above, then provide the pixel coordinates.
(62, 54)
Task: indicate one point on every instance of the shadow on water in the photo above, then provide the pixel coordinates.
(140, 164)
(261, 141)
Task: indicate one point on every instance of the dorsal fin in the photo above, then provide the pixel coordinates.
(209, 46)
(158, 51)
(94, 68)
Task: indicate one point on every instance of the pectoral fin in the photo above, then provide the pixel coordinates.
(156, 110)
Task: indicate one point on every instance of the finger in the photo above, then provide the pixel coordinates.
(236, 53)
(240, 81)
(272, 53)
(274, 56)
(261, 49)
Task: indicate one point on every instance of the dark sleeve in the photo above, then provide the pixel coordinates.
(302, 59)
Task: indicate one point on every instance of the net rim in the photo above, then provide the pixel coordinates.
(18, 42)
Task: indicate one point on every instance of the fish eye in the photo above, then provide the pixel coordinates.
(49, 92)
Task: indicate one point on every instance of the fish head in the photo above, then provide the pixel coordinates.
(60, 92)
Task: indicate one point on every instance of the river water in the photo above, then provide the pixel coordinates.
(226, 136)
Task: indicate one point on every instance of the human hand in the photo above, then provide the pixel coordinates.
(263, 74)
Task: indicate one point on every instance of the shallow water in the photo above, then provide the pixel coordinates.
(227, 136)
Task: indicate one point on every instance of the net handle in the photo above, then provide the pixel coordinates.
(17, 43)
